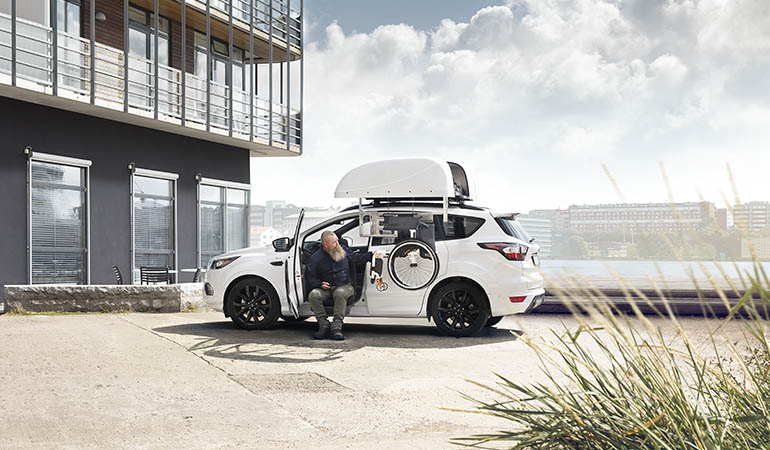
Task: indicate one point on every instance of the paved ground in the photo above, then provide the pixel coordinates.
(191, 380)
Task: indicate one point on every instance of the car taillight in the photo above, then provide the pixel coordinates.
(511, 251)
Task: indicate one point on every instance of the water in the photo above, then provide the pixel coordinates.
(672, 269)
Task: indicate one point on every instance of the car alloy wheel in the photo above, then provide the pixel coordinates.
(253, 304)
(459, 309)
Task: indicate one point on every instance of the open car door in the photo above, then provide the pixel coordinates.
(295, 277)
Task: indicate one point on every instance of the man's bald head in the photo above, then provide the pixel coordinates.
(327, 235)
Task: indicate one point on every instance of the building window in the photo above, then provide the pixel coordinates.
(222, 79)
(58, 202)
(70, 56)
(141, 48)
(223, 217)
(220, 56)
(153, 220)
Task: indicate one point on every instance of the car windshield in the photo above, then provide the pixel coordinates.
(512, 227)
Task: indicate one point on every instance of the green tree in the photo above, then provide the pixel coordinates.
(577, 247)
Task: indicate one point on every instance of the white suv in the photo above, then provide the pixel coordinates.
(461, 266)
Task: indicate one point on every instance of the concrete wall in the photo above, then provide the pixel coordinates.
(111, 146)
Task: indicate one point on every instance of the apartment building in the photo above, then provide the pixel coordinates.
(129, 126)
(540, 228)
(643, 217)
(753, 216)
(758, 247)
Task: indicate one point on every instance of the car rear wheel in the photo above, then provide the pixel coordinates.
(459, 309)
(253, 304)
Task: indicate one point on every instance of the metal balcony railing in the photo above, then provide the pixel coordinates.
(285, 19)
(34, 50)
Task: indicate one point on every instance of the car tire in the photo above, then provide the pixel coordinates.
(253, 304)
(492, 321)
(459, 309)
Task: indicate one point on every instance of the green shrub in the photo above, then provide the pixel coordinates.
(620, 382)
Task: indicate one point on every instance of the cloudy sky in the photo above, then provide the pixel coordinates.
(534, 97)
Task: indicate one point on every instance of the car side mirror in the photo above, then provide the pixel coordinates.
(282, 244)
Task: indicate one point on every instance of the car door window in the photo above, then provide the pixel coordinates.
(458, 227)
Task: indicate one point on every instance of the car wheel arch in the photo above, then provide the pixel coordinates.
(453, 279)
(238, 280)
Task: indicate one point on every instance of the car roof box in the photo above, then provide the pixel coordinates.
(406, 178)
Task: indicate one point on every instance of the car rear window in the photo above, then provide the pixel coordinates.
(458, 227)
(513, 228)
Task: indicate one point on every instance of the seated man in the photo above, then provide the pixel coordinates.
(328, 275)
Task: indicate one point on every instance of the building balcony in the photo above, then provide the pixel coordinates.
(44, 65)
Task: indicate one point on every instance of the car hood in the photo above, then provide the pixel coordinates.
(249, 251)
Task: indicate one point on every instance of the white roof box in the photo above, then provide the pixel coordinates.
(405, 178)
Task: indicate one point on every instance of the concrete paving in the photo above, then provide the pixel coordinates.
(193, 381)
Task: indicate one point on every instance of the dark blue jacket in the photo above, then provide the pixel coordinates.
(321, 268)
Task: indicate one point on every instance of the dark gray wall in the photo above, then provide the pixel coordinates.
(110, 146)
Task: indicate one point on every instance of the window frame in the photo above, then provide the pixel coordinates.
(67, 3)
(167, 176)
(66, 161)
(148, 29)
(237, 64)
(225, 185)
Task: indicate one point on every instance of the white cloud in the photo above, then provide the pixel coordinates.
(532, 97)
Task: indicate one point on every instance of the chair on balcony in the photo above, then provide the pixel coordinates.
(153, 275)
(118, 276)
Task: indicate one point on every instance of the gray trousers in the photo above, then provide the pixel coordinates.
(340, 294)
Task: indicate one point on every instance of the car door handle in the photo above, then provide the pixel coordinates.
(276, 263)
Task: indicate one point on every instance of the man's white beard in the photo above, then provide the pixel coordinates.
(336, 254)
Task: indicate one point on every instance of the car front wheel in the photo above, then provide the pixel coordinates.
(459, 309)
(253, 304)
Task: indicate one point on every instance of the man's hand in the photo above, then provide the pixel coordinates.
(377, 254)
(325, 286)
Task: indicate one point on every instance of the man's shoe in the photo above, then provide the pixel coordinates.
(323, 330)
(337, 330)
(337, 335)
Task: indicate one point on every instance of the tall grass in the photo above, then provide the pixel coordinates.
(621, 382)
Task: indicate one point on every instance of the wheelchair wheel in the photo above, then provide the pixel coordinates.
(413, 264)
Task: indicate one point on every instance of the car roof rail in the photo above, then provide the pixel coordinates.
(414, 203)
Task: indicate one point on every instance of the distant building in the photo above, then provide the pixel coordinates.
(271, 208)
(753, 216)
(263, 236)
(541, 229)
(617, 250)
(640, 217)
(312, 217)
(559, 218)
(761, 247)
(720, 214)
(256, 216)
